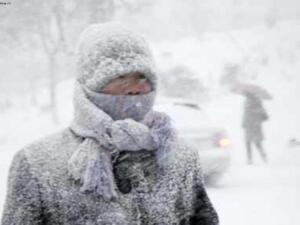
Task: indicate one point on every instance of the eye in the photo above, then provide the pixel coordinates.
(142, 77)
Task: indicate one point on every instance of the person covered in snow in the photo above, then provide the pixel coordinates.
(254, 115)
(119, 162)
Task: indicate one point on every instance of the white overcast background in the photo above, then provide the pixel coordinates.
(260, 39)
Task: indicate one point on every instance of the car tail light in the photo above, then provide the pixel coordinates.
(221, 140)
(224, 143)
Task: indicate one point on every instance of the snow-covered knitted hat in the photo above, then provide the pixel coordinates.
(107, 51)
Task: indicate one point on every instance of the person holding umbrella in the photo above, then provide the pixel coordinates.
(254, 115)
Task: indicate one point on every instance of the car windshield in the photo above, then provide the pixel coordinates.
(189, 105)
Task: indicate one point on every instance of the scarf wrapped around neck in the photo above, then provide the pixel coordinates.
(132, 126)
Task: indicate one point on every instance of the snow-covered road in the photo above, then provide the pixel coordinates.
(259, 194)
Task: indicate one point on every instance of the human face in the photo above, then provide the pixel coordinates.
(128, 84)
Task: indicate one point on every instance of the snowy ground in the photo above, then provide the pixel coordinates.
(259, 194)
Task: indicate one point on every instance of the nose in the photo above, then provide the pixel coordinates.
(138, 88)
(134, 91)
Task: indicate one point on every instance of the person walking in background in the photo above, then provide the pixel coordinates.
(119, 162)
(254, 115)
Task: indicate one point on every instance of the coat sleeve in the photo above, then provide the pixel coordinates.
(264, 114)
(22, 205)
(203, 210)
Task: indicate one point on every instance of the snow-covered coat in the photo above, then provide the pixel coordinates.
(43, 189)
(254, 115)
(40, 191)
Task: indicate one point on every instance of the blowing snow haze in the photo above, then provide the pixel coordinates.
(201, 49)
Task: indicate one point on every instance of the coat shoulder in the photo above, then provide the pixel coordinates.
(185, 158)
(50, 153)
(186, 152)
(49, 144)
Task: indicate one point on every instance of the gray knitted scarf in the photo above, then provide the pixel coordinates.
(110, 124)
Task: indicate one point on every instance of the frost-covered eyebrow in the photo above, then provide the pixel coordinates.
(132, 74)
(141, 77)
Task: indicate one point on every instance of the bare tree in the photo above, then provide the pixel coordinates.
(271, 18)
(41, 26)
(50, 27)
(133, 6)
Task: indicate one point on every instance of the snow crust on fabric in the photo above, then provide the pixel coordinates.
(40, 191)
(40, 188)
(91, 162)
(106, 51)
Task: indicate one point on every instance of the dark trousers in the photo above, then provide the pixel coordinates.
(260, 149)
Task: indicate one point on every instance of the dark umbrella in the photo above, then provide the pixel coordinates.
(244, 89)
